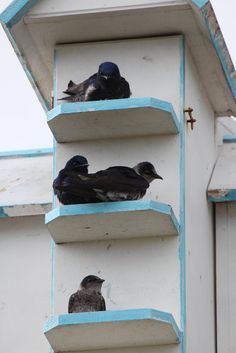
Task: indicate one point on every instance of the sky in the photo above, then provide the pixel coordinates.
(23, 120)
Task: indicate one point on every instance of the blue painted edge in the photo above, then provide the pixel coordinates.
(219, 44)
(111, 207)
(45, 104)
(113, 316)
(27, 153)
(182, 241)
(199, 3)
(113, 104)
(229, 138)
(15, 11)
(230, 196)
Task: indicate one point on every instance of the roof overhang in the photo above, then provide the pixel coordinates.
(34, 33)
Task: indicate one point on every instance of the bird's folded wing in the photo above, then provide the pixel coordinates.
(124, 88)
(71, 303)
(74, 89)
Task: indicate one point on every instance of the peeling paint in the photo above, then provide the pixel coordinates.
(222, 195)
(220, 45)
(218, 193)
(24, 210)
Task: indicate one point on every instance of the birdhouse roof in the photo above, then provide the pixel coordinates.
(34, 27)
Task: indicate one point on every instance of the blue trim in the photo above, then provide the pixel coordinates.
(182, 245)
(229, 138)
(219, 44)
(113, 104)
(100, 317)
(27, 153)
(230, 196)
(53, 245)
(3, 213)
(30, 76)
(110, 207)
(15, 11)
(199, 3)
(52, 278)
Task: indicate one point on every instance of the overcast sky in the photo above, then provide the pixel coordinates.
(23, 124)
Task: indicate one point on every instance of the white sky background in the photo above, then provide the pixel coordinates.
(22, 119)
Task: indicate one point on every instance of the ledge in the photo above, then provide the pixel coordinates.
(222, 195)
(112, 118)
(111, 220)
(111, 329)
(24, 210)
(222, 185)
(229, 139)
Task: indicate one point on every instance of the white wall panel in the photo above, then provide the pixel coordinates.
(226, 274)
(200, 158)
(25, 272)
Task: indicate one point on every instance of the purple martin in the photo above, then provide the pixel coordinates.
(88, 297)
(116, 183)
(107, 83)
(75, 168)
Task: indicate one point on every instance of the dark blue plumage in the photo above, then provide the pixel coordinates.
(74, 169)
(117, 183)
(105, 84)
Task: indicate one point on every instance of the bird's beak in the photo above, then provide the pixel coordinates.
(101, 280)
(157, 176)
(85, 165)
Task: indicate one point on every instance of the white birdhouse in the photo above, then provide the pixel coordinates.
(156, 254)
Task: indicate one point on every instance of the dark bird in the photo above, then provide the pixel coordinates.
(112, 184)
(88, 297)
(105, 84)
(75, 168)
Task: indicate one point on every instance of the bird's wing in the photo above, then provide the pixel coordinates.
(79, 92)
(124, 88)
(71, 303)
(118, 179)
(103, 304)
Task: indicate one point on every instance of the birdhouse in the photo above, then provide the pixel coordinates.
(156, 254)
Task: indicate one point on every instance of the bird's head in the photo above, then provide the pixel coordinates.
(108, 71)
(92, 282)
(78, 164)
(147, 171)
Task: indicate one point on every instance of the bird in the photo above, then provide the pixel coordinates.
(107, 83)
(117, 183)
(88, 297)
(75, 168)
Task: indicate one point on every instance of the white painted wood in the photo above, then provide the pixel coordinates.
(225, 274)
(199, 232)
(223, 178)
(25, 210)
(225, 126)
(150, 65)
(133, 333)
(138, 273)
(54, 7)
(169, 348)
(130, 122)
(38, 38)
(26, 181)
(115, 225)
(25, 271)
